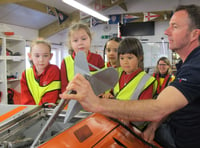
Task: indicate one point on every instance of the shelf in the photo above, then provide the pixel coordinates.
(13, 80)
(15, 58)
(11, 65)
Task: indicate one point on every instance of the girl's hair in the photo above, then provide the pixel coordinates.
(132, 46)
(37, 41)
(40, 40)
(166, 61)
(116, 39)
(77, 27)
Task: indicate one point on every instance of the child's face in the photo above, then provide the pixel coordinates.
(40, 56)
(128, 62)
(80, 41)
(111, 51)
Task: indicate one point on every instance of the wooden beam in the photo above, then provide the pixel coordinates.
(117, 2)
(51, 28)
(101, 2)
(34, 5)
(55, 27)
(106, 4)
(123, 6)
(163, 16)
(11, 1)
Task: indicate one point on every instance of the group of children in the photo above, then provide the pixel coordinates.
(43, 82)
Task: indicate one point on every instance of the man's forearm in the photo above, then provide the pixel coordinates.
(143, 110)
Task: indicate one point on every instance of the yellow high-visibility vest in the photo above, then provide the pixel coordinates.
(36, 90)
(126, 92)
(70, 69)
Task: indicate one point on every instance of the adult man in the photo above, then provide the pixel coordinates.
(180, 100)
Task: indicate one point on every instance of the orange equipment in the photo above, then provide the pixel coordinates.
(97, 131)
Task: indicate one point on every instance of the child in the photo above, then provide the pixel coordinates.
(131, 72)
(110, 49)
(163, 74)
(41, 82)
(79, 39)
(134, 83)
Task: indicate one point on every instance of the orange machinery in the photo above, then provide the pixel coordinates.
(20, 124)
(97, 131)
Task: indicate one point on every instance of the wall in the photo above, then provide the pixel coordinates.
(25, 33)
(133, 6)
(150, 5)
(155, 48)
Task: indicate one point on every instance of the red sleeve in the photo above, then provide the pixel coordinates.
(64, 79)
(52, 74)
(26, 97)
(147, 94)
(96, 60)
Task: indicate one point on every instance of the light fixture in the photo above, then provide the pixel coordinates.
(85, 9)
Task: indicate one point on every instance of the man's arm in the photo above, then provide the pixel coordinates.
(168, 101)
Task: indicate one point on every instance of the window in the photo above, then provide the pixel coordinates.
(27, 50)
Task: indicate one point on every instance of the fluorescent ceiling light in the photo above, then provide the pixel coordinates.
(85, 9)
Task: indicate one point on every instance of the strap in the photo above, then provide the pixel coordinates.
(140, 86)
(140, 124)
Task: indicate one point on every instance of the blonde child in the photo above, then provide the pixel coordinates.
(79, 39)
(40, 83)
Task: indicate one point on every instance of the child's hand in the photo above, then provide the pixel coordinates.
(107, 96)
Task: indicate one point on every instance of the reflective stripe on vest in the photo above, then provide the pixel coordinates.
(140, 86)
(36, 90)
(70, 69)
(106, 65)
(126, 94)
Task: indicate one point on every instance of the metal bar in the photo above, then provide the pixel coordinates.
(50, 121)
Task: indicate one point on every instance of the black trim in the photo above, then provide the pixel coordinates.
(134, 134)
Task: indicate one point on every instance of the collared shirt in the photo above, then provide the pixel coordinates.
(185, 123)
(51, 73)
(108, 64)
(124, 79)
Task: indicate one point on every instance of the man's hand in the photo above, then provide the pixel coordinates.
(149, 133)
(84, 93)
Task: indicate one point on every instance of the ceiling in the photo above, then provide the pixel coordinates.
(33, 13)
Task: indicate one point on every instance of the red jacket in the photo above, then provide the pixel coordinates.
(51, 73)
